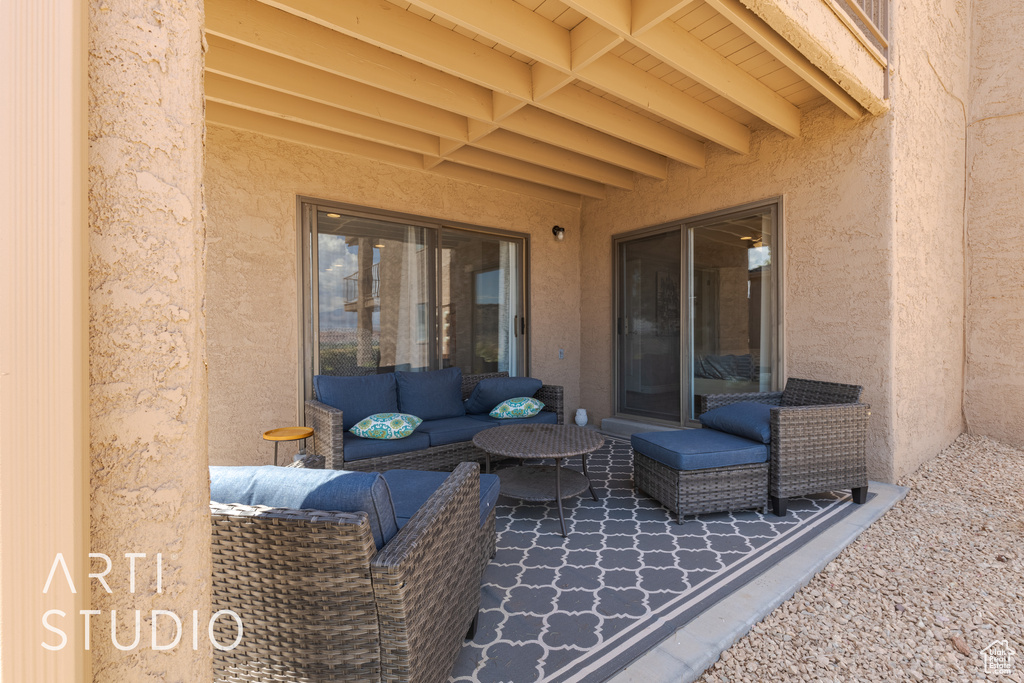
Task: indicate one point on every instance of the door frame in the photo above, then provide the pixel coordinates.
(685, 225)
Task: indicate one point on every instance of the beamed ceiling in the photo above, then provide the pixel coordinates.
(558, 99)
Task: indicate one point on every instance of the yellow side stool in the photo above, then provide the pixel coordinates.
(287, 434)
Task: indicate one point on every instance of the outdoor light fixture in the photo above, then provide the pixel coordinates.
(558, 232)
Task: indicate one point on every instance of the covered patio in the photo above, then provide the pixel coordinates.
(198, 157)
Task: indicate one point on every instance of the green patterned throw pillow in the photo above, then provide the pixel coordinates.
(386, 426)
(517, 407)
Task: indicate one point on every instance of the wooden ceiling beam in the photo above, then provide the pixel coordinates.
(684, 52)
(491, 19)
(533, 151)
(254, 24)
(636, 86)
(488, 179)
(248, 64)
(391, 28)
(555, 130)
(291, 131)
(496, 163)
(590, 41)
(763, 34)
(604, 115)
(282, 105)
(428, 44)
(647, 13)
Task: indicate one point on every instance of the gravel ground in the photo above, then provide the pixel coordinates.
(918, 595)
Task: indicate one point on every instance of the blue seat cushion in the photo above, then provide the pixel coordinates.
(544, 417)
(358, 448)
(451, 429)
(411, 488)
(300, 489)
(747, 419)
(357, 397)
(432, 395)
(698, 449)
(490, 392)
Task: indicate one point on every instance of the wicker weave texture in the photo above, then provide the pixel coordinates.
(427, 583)
(300, 581)
(686, 492)
(319, 603)
(815, 447)
(329, 434)
(531, 441)
(818, 448)
(711, 401)
(809, 392)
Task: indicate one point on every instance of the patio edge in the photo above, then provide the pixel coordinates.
(685, 655)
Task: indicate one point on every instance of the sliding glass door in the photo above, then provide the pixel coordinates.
(383, 294)
(697, 312)
(481, 305)
(649, 326)
(733, 305)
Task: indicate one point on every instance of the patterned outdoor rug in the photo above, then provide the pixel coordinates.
(583, 607)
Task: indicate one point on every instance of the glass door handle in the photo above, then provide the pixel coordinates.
(515, 326)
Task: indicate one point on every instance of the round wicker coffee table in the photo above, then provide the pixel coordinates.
(541, 483)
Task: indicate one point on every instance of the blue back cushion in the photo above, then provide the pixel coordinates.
(357, 397)
(300, 489)
(747, 419)
(412, 489)
(492, 391)
(432, 395)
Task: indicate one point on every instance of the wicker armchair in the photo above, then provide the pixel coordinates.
(329, 434)
(819, 436)
(320, 603)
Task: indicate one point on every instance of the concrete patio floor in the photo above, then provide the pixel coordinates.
(684, 656)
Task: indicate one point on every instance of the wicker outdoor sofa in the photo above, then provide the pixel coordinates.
(329, 435)
(322, 601)
(818, 438)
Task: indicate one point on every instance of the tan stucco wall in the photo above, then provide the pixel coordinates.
(994, 395)
(252, 325)
(150, 484)
(838, 254)
(928, 88)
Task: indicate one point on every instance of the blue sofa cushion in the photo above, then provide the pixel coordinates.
(432, 395)
(299, 489)
(544, 417)
(451, 429)
(358, 448)
(490, 392)
(411, 488)
(747, 419)
(358, 397)
(698, 449)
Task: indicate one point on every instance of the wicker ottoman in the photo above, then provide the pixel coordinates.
(697, 471)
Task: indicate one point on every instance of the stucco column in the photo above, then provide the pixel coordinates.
(150, 485)
(994, 386)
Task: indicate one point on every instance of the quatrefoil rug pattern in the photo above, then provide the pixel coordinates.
(581, 608)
